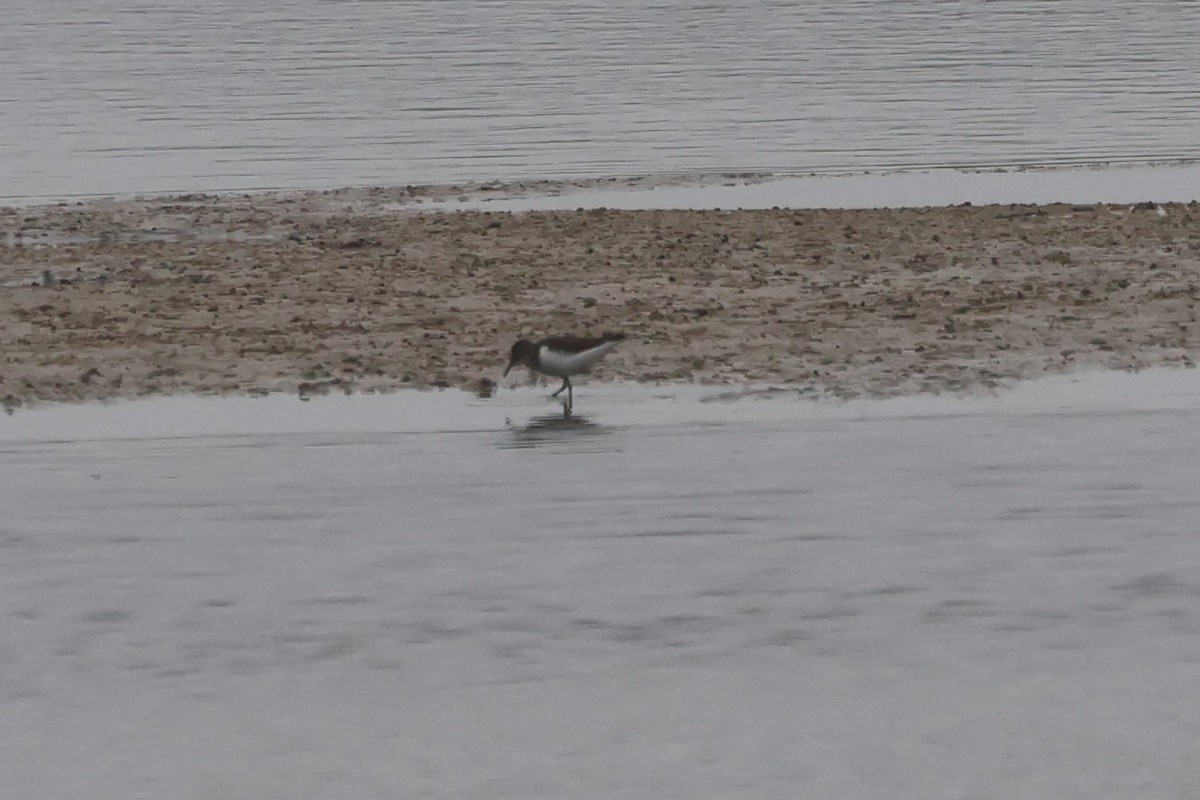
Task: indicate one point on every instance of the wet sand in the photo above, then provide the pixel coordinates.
(369, 290)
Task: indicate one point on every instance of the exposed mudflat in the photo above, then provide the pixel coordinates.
(362, 290)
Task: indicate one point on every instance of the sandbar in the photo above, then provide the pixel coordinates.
(374, 290)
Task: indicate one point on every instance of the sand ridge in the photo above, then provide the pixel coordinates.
(355, 290)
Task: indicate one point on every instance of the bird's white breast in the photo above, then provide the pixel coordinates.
(561, 365)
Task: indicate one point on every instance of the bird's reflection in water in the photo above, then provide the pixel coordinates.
(565, 430)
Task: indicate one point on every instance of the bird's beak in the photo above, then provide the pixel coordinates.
(508, 369)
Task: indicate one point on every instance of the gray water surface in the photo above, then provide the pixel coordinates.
(108, 97)
(671, 596)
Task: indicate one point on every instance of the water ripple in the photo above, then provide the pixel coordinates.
(105, 97)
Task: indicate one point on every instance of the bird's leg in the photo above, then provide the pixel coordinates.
(570, 396)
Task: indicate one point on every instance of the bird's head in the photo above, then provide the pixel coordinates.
(523, 352)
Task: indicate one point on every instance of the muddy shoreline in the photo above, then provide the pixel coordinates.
(368, 290)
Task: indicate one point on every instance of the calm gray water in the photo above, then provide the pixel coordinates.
(101, 96)
(913, 599)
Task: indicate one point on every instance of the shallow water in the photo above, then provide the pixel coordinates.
(105, 97)
(679, 594)
(1178, 183)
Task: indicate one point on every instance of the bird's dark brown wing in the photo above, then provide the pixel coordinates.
(577, 344)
